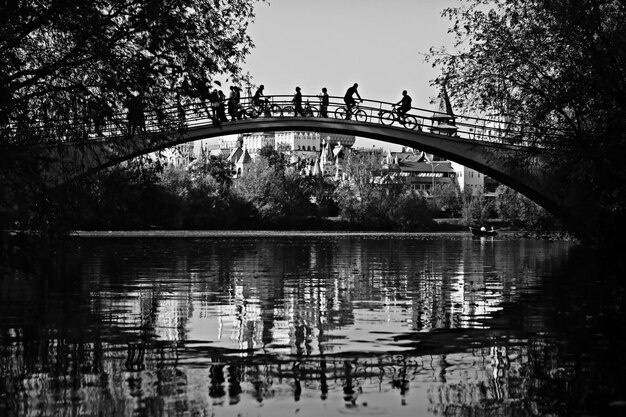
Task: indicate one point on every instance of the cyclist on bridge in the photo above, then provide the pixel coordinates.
(350, 101)
(405, 105)
(260, 100)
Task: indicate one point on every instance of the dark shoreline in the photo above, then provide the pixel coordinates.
(243, 233)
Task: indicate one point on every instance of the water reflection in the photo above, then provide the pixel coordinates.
(271, 326)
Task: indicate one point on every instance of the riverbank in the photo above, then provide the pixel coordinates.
(241, 233)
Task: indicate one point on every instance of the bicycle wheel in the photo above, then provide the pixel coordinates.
(275, 110)
(311, 112)
(410, 122)
(251, 112)
(360, 116)
(288, 111)
(386, 118)
(340, 113)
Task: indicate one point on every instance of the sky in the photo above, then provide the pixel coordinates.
(378, 44)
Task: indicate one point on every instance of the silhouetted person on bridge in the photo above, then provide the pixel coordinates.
(136, 119)
(324, 103)
(221, 107)
(97, 114)
(259, 99)
(405, 104)
(232, 103)
(297, 103)
(204, 93)
(214, 98)
(349, 99)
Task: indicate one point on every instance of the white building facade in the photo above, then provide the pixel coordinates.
(469, 179)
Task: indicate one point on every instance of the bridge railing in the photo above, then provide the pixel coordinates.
(199, 114)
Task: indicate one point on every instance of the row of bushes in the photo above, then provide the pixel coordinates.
(144, 194)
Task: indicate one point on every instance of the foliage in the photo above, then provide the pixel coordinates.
(118, 198)
(321, 192)
(476, 207)
(64, 60)
(554, 70)
(447, 199)
(68, 68)
(276, 190)
(204, 192)
(360, 170)
(365, 201)
(358, 197)
(260, 186)
(216, 167)
(123, 197)
(412, 212)
(519, 211)
(275, 158)
(296, 192)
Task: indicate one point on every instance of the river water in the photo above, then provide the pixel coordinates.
(299, 324)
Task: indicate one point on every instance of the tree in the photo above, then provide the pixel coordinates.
(69, 67)
(366, 198)
(321, 191)
(447, 198)
(519, 211)
(217, 167)
(412, 212)
(261, 187)
(359, 198)
(275, 158)
(68, 61)
(555, 70)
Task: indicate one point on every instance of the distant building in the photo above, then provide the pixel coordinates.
(334, 139)
(329, 159)
(320, 154)
(469, 179)
(179, 155)
(239, 158)
(254, 142)
(417, 170)
(313, 153)
(476, 182)
(229, 142)
(301, 144)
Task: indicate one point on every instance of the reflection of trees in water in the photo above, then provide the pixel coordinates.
(279, 288)
(44, 375)
(97, 348)
(124, 378)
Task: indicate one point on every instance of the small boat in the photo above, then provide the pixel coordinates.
(481, 231)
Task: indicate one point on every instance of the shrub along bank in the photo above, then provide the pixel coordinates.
(144, 194)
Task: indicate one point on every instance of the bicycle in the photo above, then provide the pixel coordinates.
(388, 117)
(307, 110)
(359, 114)
(269, 110)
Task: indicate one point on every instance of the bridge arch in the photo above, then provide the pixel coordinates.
(490, 155)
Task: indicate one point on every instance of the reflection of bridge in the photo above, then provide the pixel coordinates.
(504, 151)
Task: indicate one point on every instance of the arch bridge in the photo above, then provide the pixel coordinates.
(495, 148)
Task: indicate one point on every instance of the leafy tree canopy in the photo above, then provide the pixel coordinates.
(552, 66)
(63, 59)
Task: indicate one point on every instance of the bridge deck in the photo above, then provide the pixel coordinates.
(198, 115)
